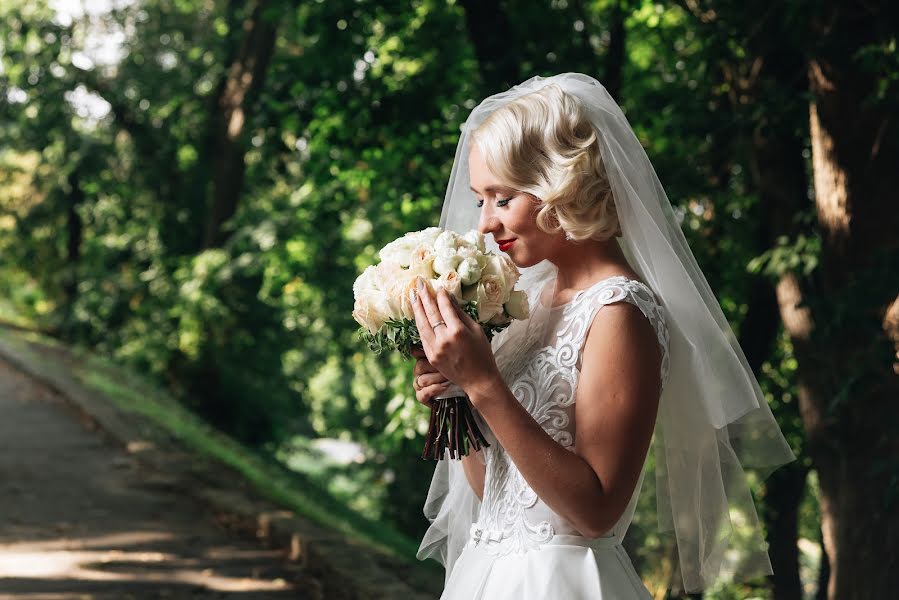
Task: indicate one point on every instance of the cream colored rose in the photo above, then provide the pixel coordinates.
(490, 297)
(398, 294)
(500, 318)
(367, 315)
(422, 262)
(451, 283)
(510, 272)
(517, 305)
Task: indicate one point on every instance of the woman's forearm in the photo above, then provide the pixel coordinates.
(474, 472)
(561, 478)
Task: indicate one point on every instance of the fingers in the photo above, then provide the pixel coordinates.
(422, 366)
(451, 310)
(432, 311)
(425, 332)
(426, 394)
(425, 379)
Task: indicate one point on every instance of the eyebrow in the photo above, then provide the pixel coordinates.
(493, 188)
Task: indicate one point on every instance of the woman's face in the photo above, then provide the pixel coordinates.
(510, 215)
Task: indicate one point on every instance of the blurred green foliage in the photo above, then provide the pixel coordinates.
(109, 158)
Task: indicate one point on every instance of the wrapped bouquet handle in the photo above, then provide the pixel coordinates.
(452, 426)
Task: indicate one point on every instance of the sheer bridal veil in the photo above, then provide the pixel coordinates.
(713, 420)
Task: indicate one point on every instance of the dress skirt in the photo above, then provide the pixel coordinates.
(568, 567)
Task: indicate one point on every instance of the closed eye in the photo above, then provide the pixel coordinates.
(500, 202)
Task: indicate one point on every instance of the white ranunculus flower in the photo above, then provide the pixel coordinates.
(476, 239)
(447, 240)
(427, 237)
(451, 283)
(469, 271)
(490, 297)
(447, 260)
(517, 305)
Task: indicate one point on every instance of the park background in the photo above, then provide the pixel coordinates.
(189, 188)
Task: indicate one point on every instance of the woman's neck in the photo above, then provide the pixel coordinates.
(581, 264)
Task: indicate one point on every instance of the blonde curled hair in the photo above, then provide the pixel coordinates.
(544, 145)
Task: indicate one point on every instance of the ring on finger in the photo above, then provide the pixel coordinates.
(438, 324)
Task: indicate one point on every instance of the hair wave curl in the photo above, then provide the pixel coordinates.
(542, 144)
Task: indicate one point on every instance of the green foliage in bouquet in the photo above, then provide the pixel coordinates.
(402, 334)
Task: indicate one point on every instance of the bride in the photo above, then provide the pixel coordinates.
(625, 348)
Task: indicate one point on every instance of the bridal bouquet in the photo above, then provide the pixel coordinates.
(482, 284)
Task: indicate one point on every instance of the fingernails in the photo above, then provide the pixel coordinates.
(412, 296)
(419, 283)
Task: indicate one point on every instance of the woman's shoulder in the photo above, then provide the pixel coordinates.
(627, 290)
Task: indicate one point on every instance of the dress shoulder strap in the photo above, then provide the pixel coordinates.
(619, 288)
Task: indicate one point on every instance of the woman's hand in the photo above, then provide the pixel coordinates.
(428, 381)
(453, 342)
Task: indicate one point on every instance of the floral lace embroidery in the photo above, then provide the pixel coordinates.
(546, 390)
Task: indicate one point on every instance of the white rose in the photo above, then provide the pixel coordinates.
(447, 260)
(490, 297)
(517, 305)
(469, 271)
(451, 283)
(399, 251)
(365, 282)
(476, 239)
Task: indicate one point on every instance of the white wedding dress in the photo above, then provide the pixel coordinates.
(518, 547)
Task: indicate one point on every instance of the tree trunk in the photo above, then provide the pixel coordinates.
(491, 34)
(245, 78)
(845, 353)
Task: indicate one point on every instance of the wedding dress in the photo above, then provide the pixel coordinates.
(518, 547)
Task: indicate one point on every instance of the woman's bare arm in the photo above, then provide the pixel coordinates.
(617, 400)
(475, 471)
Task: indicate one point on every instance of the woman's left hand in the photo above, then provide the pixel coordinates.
(458, 347)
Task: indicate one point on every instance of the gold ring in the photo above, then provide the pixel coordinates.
(438, 324)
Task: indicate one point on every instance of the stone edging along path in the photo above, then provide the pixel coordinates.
(349, 570)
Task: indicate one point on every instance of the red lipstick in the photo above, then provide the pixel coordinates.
(504, 244)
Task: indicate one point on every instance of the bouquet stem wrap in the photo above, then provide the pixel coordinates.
(452, 426)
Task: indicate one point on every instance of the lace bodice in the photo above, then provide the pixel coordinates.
(544, 381)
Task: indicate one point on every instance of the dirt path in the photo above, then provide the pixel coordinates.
(79, 519)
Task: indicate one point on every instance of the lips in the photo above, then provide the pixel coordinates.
(504, 244)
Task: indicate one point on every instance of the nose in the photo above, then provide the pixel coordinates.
(487, 223)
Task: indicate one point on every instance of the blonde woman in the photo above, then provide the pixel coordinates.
(625, 348)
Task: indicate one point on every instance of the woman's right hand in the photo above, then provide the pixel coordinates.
(428, 381)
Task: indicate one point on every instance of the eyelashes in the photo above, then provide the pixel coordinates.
(501, 202)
